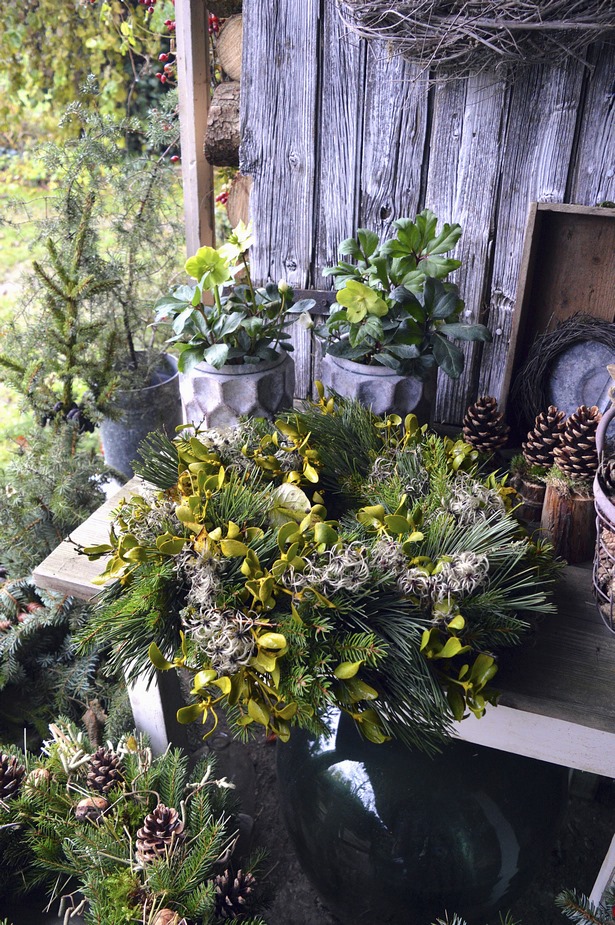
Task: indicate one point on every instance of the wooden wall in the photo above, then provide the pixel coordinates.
(338, 133)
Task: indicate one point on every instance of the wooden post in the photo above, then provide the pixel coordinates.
(194, 92)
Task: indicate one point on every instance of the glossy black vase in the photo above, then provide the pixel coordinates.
(391, 835)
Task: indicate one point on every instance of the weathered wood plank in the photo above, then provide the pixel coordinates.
(65, 569)
(540, 131)
(339, 140)
(396, 115)
(593, 174)
(464, 164)
(193, 88)
(278, 118)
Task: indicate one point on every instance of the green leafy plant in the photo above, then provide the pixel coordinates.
(244, 325)
(340, 560)
(118, 835)
(393, 307)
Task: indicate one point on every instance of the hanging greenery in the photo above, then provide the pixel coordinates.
(462, 37)
(339, 560)
(49, 49)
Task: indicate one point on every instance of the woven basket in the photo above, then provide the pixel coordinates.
(463, 36)
(604, 557)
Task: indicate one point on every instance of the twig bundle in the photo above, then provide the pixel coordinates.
(464, 36)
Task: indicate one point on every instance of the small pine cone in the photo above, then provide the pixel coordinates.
(168, 917)
(11, 775)
(544, 437)
(104, 770)
(606, 473)
(91, 808)
(576, 455)
(161, 832)
(484, 427)
(233, 893)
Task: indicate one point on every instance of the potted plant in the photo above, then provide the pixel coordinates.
(81, 350)
(231, 336)
(343, 581)
(391, 328)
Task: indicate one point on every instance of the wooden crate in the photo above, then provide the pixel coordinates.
(568, 266)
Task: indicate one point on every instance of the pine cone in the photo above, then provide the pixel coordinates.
(104, 770)
(484, 427)
(607, 476)
(576, 455)
(233, 893)
(11, 774)
(544, 437)
(162, 831)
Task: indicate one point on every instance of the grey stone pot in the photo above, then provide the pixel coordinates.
(219, 397)
(380, 388)
(155, 407)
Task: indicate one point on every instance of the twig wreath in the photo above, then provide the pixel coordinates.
(465, 36)
(529, 389)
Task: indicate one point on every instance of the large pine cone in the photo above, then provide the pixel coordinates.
(104, 770)
(162, 832)
(576, 455)
(11, 775)
(233, 893)
(484, 427)
(544, 437)
(606, 474)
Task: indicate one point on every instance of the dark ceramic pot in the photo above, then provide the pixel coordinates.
(141, 411)
(388, 835)
(380, 388)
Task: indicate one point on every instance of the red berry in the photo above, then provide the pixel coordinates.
(158, 74)
(175, 159)
(163, 57)
(163, 78)
(168, 22)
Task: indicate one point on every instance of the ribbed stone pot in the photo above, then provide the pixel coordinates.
(380, 388)
(219, 397)
(155, 407)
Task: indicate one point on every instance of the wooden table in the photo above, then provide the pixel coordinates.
(558, 691)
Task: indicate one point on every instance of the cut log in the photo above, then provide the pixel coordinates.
(531, 499)
(223, 132)
(228, 47)
(569, 522)
(238, 203)
(223, 8)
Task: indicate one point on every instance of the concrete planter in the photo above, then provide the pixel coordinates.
(381, 389)
(155, 407)
(219, 397)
